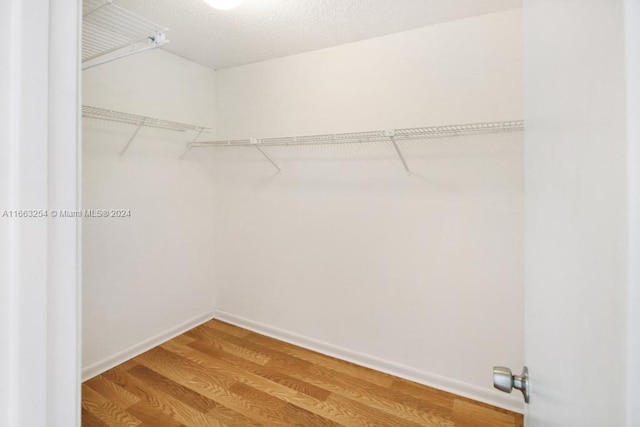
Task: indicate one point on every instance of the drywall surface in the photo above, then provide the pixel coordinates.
(149, 275)
(462, 71)
(421, 275)
(577, 199)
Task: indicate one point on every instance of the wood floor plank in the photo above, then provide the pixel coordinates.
(260, 384)
(228, 328)
(220, 375)
(276, 357)
(205, 335)
(177, 391)
(107, 412)
(468, 414)
(156, 400)
(90, 420)
(150, 416)
(423, 393)
(307, 418)
(231, 418)
(303, 401)
(112, 392)
(270, 374)
(378, 397)
(183, 339)
(318, 359)
(289, 414)
(374, 382)
(330, 383)
(128, 364)
(208, 382)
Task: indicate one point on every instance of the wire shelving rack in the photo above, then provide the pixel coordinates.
(140, 122)
(111, 32)
(392, 136)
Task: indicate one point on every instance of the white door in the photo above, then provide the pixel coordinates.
(576, 202)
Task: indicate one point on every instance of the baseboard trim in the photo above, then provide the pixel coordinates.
(460, 388)
(133, 351)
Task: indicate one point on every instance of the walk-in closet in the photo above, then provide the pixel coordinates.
(344, 177)
(312, 212)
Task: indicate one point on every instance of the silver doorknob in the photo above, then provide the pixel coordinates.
(505, 381)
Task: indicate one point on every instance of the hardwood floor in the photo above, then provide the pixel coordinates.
(221, 375)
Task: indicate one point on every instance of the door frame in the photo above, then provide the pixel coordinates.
(632, 52)
(40, 167)
(40, 155)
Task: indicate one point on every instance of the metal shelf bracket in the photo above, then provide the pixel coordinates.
(256, 143)
(391, 133)
(190, 144)
(135, 133)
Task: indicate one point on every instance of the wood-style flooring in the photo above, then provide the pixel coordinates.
(221, 375)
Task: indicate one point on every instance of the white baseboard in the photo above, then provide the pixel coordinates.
(495, 398)
(131, 352)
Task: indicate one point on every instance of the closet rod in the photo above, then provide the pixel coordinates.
(389, 135)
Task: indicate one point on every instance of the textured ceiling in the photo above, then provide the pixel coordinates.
(265, 29)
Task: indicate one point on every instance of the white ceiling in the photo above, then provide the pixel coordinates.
(265, 29)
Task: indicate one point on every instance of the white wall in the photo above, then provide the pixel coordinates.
(153, 270)
(342, 251)
(576, 234)
(438, 74)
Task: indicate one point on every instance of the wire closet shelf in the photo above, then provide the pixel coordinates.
(111, 32)
(140, 122)
(389, 135)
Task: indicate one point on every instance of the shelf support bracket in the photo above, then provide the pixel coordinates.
(391, 133)
(256, 142)
(190, 144)
(135, 133)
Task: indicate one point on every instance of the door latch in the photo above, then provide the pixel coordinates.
(505, 381)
